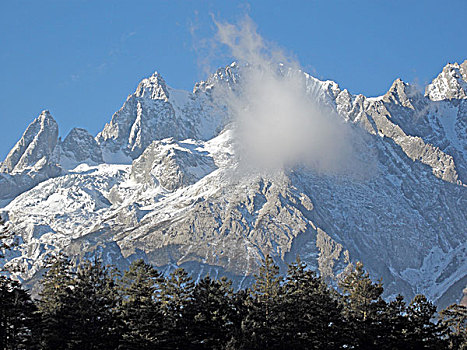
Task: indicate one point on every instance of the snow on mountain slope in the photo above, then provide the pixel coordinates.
(451, 83)
(176, 194)
(79, 147)
(32, 159)
(156, 111)
(36, 145)
(61, 209)
(171, 165)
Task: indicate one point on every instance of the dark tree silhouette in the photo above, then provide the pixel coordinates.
(363, 310)
(422, 331)
(209, 314)
(262, 324)
(140, 311)
(54, 303)
(93, 306)
(96, 308)
(18, 318)
(311, 313)
(454, 318)
(175, 294)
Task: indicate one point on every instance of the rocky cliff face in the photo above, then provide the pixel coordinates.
(155, 112)
(35, 146)
(79, 147)
(163, 182)
(32, 159)
(450, 84)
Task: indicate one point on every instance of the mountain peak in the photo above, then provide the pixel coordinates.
(153, 87)
(79, 147)
(37, 142)
(451, 83)
(45, 114)
(402, 93)
(166, 181)
(227, 76)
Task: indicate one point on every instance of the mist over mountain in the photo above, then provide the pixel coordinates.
(260, 158)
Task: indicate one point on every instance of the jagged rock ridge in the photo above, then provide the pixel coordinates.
(160, 183)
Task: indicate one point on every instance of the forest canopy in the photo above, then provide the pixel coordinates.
(95, 306)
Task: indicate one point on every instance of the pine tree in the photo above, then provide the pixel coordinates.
(312, 315)
(140, 311)
(262, 326)
(394, 324)
(94, 302)
(363, 309)
(54, 304)
(175, 294)
(241, 302)
(423, 332)
(454, 318)
(18, 318)
(268, 281)
(210, 313)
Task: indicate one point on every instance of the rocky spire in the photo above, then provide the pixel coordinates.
(451, 83)
(37, 144)
(146, 115)
(79, 146)
(402, 94)
(153, 87)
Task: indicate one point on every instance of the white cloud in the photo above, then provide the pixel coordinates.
(278, 123)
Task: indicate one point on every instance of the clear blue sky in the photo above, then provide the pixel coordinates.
(80, 59)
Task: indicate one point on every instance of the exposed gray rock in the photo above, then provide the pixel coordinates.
(156, 111)
(33, 158)
(35, 147)
(79, 147)
(182, 199)
(450, 84)
(171, 164)
(11, 185)
(147, 115)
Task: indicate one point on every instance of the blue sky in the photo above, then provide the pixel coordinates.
(80, 59)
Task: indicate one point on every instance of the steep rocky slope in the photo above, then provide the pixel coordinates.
(163, 181)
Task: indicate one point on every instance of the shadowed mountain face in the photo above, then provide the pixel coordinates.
(165, 181)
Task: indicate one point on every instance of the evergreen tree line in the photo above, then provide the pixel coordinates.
(97, 307)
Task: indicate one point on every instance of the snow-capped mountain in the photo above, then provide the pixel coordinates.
(451, 83)
(160, 182)
(32, 160)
